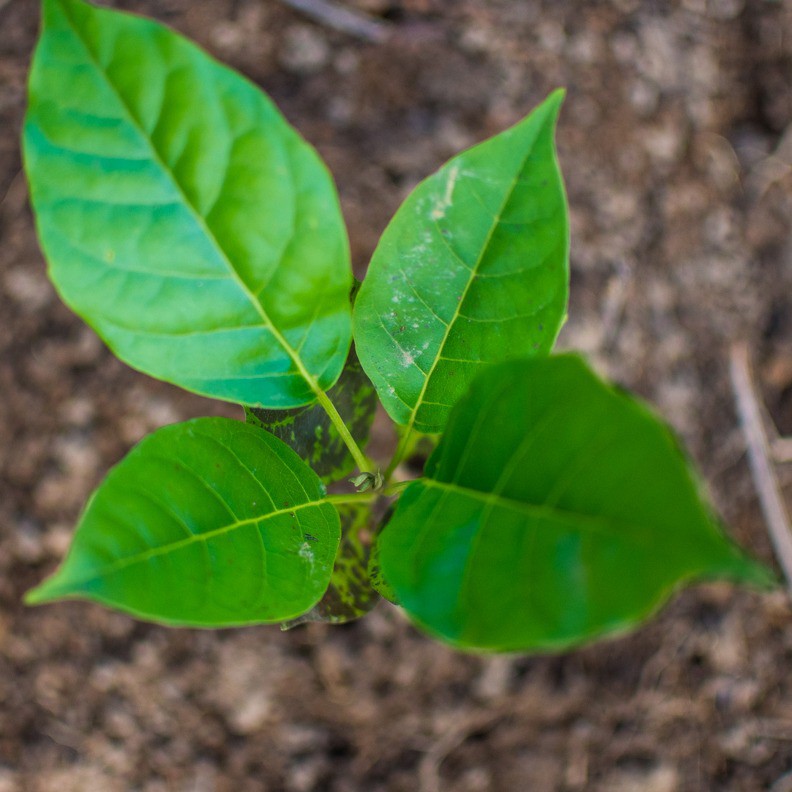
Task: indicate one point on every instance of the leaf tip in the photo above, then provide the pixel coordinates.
(49, 590)
(557, 96)
(739, 567)
(554, 101)
(753, 573)
(38, 595)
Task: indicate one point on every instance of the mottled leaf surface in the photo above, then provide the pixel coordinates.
(311, 433)
(206, 523)
(555, 509)
(378, 582)
(350, 594)
(472, 270)
(181, 216)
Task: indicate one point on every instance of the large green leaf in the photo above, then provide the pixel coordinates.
(311, 433)
(350, 594)
(204, 523)
(181, 216)
(472, 270)
(555, 509)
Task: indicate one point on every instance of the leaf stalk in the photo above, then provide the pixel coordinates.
(401, 448)
(327, 405)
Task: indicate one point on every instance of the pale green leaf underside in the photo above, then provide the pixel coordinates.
(472, 270)
(554, 510)
(207, 523)
(181, 215)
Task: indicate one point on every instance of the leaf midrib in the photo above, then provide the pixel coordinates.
(199, 219)
(591, 522)
(471, 279)
(173, 547)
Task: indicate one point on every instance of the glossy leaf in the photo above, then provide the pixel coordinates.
(555, 509)
(311, 433)
(472, 270)
(350, 594)
(181, 216)
(204, 523)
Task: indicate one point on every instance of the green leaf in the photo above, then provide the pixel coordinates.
(555, 509)
(378, 582)
(180, 214)
(207, 523)
(472, 270)
(350, 594)
(311, 433)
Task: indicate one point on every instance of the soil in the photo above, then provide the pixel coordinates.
(676, 142)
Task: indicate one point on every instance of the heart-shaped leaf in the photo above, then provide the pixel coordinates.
(311, 433)
(207, 523)
(181, 216)
(555, 509)
(472, 270)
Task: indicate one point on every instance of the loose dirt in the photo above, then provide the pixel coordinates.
(676, 142)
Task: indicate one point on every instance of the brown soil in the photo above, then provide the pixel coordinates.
(676, 140)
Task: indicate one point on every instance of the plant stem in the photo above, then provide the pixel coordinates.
(399, 453)
(352, 497)
(396, 487)
(360, 458)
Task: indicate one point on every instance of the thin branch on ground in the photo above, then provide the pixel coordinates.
(782, 449)
(343, 19)
(773, 168)
(429, 768)
(759, 456)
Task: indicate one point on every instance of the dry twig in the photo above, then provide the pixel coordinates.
(758, 448)
(344, 19)
(429, 769)
(782, 449)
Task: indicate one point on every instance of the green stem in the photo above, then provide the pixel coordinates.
(328, 406)
(396, 487)
(397, 456)
(359, 497)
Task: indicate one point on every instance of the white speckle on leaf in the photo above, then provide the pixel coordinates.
(306, 553)
(407, 358)
(440, 207)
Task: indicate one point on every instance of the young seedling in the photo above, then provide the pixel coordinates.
(201, 237)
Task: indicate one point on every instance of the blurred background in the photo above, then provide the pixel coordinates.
(676, 144)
